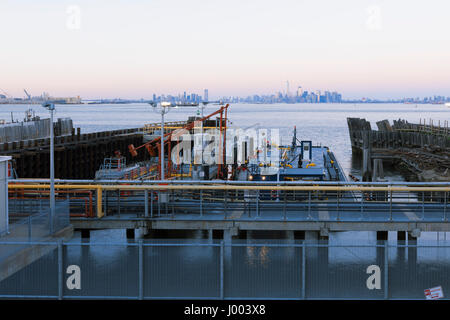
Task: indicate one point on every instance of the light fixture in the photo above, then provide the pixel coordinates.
(51, 107)
(165, 108)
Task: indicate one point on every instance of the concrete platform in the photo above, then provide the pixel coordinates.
(14, 257)
(275, 220)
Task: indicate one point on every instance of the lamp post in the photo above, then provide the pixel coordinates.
(51, 108)
(164, 108)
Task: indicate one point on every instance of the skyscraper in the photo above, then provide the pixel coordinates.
(318, 94)
(206, 95)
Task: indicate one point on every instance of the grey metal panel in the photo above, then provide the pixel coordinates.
(37, 129)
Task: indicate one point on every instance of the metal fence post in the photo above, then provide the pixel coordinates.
(338, 196)
(221, 270)
(146, 203)
(257, 203)
(362, 202)
(151, 204)
(303, 270)
(60, 270)
(118, 201)
(386, 270)
(159, 203)
(141, 270)
(201, 202)
(309, 203)
(390, 205)
(29, 228)
(423, 205)
(445, 206)
(105, 202)
(172, 202)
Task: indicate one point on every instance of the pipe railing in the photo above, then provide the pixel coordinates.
(231, 182)
(367, 194)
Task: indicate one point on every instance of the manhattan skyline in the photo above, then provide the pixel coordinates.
(375, 49)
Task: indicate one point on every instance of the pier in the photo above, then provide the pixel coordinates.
(77, 156)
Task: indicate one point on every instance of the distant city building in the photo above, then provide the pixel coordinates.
(300, 96)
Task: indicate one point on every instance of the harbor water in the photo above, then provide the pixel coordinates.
(323, 124)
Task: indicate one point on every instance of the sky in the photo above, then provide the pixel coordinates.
(132, 49)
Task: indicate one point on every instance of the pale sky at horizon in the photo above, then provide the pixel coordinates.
(132, 49)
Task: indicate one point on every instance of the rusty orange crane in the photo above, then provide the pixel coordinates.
(154, 147)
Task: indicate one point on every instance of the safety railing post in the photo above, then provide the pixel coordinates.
(141, 270)
(118, 201)
(222, 249)
(303, 270)
(146, 203)
(29, 228)
(105, 205)
(423, 205)
(337, 209)
(284, 205)
(362, 202)
(159, 203)
(309, 203)
(201, 202)
(60, 270)
(445, 206)
(257, 203)
(166, 206)
(151, 204)
(386, 270)
(225, 209)
(390, 205)
(172, 201)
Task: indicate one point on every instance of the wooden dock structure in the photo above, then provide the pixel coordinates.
(423, 149)
(77, 156)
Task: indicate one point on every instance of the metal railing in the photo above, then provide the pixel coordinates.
(30, 219)
(247, 269)
(297, 201)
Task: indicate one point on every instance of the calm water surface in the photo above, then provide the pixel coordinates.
(324, 124)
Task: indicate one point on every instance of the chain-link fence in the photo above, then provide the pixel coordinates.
(247, 269)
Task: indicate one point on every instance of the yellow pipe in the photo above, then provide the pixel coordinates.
(100, 212)
(100, 188)
(96, 187)
(227, 187)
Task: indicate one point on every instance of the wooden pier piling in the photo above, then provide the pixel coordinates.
(423, 149)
